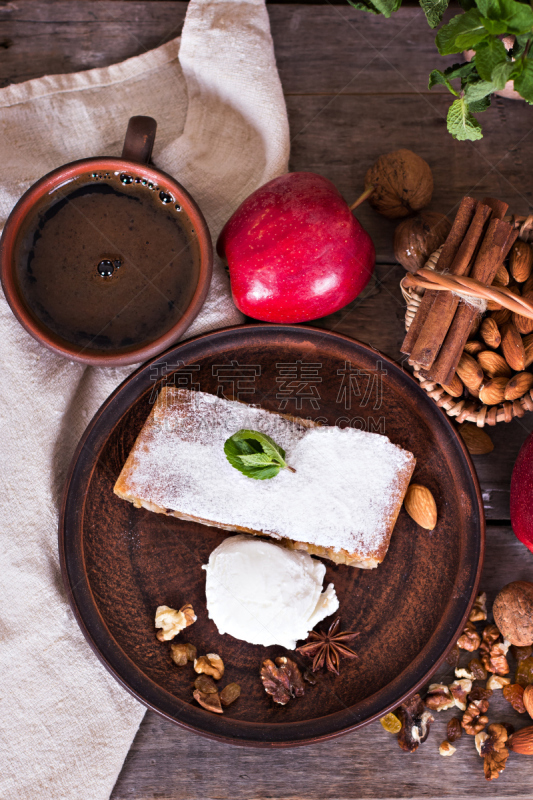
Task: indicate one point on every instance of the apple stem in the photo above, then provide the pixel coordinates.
(291, 469)
(361, 199)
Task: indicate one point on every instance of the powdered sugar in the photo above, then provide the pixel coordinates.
(345, 487)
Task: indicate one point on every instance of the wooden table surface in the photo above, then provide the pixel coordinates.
(356, 87)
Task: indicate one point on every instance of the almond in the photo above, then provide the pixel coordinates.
(523, 324)
(521, 261)
(518, 385)
(527, 699)
(501, 317)
(527, 341)
(470, 372)
(493, 364)
(493, 392)
(513, 348)
(420, 505)
(522, 741)
(455, 388)
(478, 443)
(473, 348)
(490, 333)
(502, 277)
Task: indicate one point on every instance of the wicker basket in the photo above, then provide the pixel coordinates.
(467, 409)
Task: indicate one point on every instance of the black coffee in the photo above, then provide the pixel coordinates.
(108, 261)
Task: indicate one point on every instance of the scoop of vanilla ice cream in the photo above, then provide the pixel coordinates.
(262, 593)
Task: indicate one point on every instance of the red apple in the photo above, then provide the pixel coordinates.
(522, 494)
(295, 251)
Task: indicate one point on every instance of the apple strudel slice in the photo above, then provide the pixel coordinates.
(341, 503)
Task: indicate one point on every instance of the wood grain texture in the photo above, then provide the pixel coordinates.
(356, 86)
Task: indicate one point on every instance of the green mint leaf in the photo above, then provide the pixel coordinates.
(489, 55)
(478, 91)
(461, 124)
(506, 16)
(434, 9)
(501, 74)
(385, 7)
(460, 70)
(436, 78)
(466, 5)
(461, 33)
(523, 83)
(476, 106)
(519, 45)
(255, 454)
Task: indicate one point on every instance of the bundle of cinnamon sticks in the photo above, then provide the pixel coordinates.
(477, 244)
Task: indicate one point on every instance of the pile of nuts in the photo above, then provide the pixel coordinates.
(494, 365)
(210, 668)
(475, 684)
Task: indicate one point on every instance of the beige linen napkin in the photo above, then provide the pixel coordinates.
(66, 725)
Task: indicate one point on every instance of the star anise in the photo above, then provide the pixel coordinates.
(328, 647)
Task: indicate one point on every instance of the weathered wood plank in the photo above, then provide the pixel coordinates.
(167, 762)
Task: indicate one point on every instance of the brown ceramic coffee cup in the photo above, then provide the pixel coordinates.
(107, 261)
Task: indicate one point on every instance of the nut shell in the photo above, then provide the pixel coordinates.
(513, 348)
(521, 260)
(477, 441)
(403, 183)
(415, 239)
(493, 364)
(518, 385)
(513, 612)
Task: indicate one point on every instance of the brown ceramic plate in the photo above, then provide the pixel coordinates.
(119, 563)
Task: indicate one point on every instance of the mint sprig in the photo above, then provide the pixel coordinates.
(255, 454)
(480, 27)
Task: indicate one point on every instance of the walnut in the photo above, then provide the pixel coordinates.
(513, 612)
(491, 747)
(470, 638)
(447, 749)
(497, 682)
(459, 690)
(182, 652)
(211, 664)
(415, 723)
(403, 183)
(172, 622)
(493, 651)
(479, 609)
(474, 719)
(439, 697)
(282, 680)
(464, 673)
(210, 701)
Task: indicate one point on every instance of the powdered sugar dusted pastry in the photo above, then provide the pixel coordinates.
(341, 503)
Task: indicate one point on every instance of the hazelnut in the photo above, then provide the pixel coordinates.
(513, 612)
(211, 664)
(403, 183)
(172, 622)
(417, 238)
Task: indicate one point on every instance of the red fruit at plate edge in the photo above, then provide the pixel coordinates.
(295, 251)
(522, 494)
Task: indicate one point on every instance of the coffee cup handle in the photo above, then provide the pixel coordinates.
(139, 139)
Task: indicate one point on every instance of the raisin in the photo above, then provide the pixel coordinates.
(230, 693)
(520, 653)
(477, 669)
(391, 723)
(514, 693)
(524, 672)
(453, 656)
(205, 684)
(454, 730)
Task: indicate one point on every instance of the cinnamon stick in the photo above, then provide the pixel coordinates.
(443, 308)
(462, 220)
(498, 240)
(499, 208)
